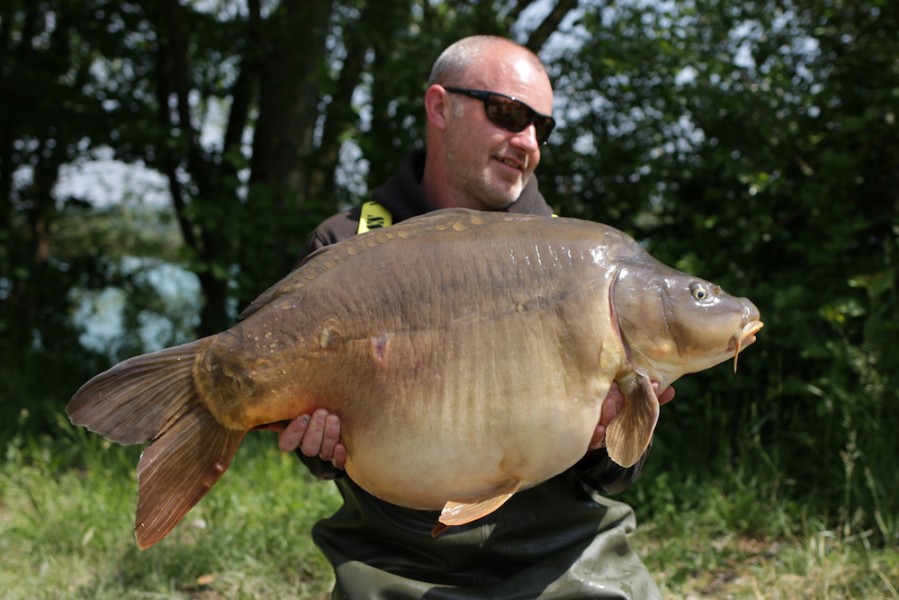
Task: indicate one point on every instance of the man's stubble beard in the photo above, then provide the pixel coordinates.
(476, 181)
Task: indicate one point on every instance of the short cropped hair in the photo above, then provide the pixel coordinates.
(452, 64)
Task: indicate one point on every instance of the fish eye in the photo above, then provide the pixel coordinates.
(700, 291)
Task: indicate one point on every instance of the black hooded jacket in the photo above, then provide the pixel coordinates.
(560, 523)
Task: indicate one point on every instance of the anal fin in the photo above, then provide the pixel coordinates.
(459, 513)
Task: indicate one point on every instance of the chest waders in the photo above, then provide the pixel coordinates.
(560, 539)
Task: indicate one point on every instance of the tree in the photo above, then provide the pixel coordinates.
(244, 108)
(756, 143)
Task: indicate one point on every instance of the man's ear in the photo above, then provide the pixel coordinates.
(437, 106)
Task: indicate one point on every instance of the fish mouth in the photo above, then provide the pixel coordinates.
(745, 338)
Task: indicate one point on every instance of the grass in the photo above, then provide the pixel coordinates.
(699, 555)
(67, 504)
(65, 532)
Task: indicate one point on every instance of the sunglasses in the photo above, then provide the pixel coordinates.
(509, 113)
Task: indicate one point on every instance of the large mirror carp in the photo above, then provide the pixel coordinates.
(467, 354)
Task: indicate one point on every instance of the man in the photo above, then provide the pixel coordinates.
(487, 105)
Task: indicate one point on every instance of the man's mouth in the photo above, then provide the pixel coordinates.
(511, 162)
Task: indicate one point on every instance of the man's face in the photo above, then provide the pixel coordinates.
(487, 164)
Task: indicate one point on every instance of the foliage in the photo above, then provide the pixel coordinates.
(754, 143)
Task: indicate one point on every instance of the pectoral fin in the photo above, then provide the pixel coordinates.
(630, 432)
(459, 513)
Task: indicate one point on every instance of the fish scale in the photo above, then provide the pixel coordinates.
(468, 355)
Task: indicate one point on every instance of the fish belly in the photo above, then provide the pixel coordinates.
(456, 368)
(485, 408)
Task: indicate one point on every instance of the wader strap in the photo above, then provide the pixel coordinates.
(373, 216)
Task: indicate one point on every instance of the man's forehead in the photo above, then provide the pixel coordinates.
(515, 76)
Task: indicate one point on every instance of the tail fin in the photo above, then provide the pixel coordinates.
(177, 469)
(152, 398)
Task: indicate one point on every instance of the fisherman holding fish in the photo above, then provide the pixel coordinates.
(481, 395)
(488, 104)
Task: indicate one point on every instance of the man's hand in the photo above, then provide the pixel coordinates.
(613, 403)
(315, 435)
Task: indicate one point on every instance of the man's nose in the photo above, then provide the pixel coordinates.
(527, 138)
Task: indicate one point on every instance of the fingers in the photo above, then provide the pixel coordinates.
(339, 459)
(322, 435)
(666, 396)
(316, 435)
(610, 407)
(290, 437)
(599, 438)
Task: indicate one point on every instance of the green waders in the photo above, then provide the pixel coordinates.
(557, 540)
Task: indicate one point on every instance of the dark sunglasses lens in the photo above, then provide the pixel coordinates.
(508, 114)
(515, 116)
(544, 127)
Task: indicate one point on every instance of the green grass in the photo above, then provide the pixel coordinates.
(705, 552)
(67, 504)
(66, 531)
